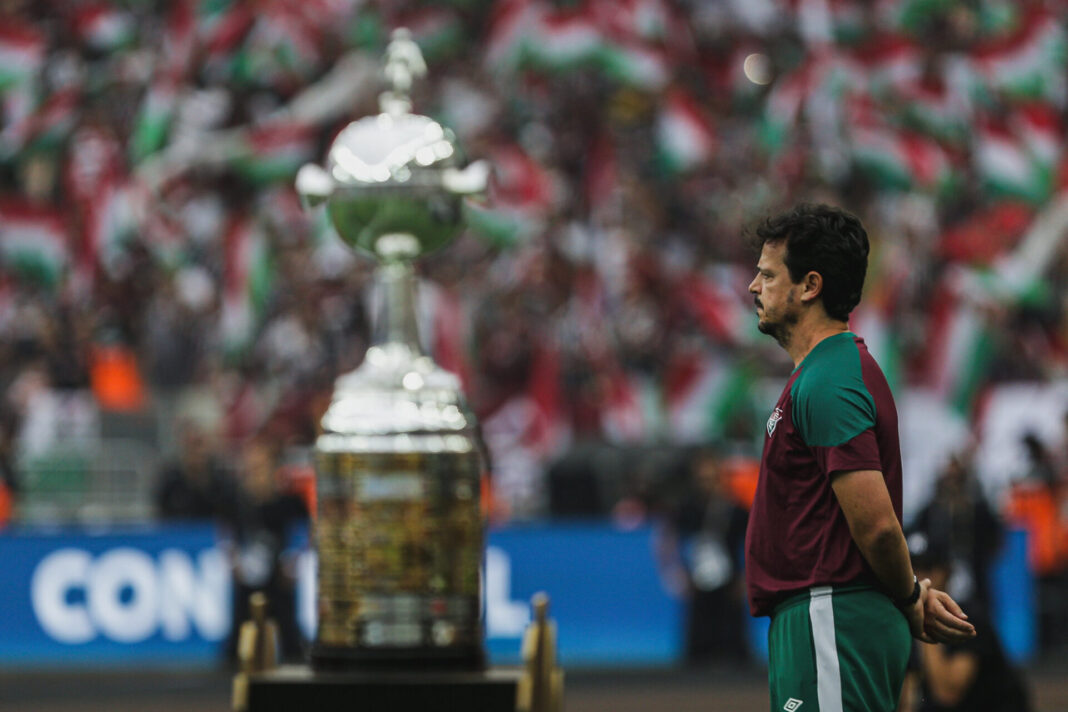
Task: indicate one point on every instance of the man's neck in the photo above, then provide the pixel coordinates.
(809, 332)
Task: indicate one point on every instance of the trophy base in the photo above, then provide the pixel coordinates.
(329, 658)
(298, 687)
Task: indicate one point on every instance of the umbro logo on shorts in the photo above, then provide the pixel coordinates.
(792, 704)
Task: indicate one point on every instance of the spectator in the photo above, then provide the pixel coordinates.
(959, 515)
(711, 530)
(266, 517)
(1033, 506)
(9, 480)
(970, 676)
(195, 485)
(612, 242)
(1041, 467)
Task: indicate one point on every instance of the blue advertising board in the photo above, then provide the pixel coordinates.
(161, 595)
(606, 597)
(145, 595)
(1014, 604)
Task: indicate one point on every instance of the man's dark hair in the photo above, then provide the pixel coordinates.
(821, 238)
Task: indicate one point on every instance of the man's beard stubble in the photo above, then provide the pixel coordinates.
(783, 329)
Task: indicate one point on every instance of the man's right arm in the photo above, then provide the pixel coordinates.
(866, 504)
(868, 510)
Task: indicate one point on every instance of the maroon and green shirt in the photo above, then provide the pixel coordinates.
(836, 414)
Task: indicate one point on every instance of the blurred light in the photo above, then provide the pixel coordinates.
(757, 68)
(443, 149)
(424, 156)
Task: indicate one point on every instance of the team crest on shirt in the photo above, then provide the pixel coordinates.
(773, 420)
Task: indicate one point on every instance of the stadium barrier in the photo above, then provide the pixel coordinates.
(160, 595)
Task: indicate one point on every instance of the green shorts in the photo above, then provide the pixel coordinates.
(837, 650)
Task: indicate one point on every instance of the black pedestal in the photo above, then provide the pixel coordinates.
(301, 688)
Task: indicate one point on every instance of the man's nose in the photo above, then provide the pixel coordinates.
(753, 286)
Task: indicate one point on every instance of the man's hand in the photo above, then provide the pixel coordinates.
(915, 614)
(936, 617)
(943, 619)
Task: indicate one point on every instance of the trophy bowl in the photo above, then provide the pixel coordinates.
(395, 173)
(388, 175)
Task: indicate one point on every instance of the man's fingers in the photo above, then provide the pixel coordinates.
(949, 604)
(944, 621)
(954, 624)
(941, 616)
(952, 631)
(947, 635)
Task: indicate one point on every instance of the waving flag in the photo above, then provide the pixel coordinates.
(564, 41)
(528, 34)
(912, 16)
(1031, 65)
(153, 122)
(936, 110)
(987, 234)
(179, 40)
(274, 152)
(631, 409)
(509, 34)
(722, 307)
(280, 49)
(439, 32)
(702, 394)
(104, 27)
(892, 158)
(1008, 166)
(54, 120)
(22, 52)
(961, 348)
(520, 196)
(783, 108)
(221, 28)
(636, 65)
(884, 66)
(684, 135)
(900, 161)
(33, 242)
(645, 20)
(1040, 129)
(247, 282)
(111, 225)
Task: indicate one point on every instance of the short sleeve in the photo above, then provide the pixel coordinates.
(859, 453)
(829, 413)
(836, 419)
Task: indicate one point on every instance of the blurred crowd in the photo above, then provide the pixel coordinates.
(160, 281)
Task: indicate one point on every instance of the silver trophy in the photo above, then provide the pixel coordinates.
(399, 528)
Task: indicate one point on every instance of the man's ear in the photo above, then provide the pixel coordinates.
(811, 286)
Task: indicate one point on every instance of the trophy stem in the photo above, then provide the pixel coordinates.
(395, 324)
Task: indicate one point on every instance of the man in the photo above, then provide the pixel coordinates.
(970, 676)
(268, 513)
(825, 554)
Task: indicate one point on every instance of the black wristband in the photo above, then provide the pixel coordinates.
(913, 597)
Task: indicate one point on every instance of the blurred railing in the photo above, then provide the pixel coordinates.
(112, 481)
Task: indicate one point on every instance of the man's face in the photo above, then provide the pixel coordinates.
(777, 298)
